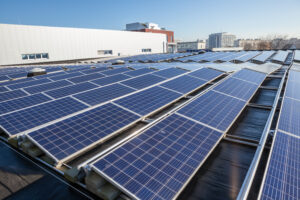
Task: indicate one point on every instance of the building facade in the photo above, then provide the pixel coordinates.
(22, 44)
(194, 45)
(221, 40)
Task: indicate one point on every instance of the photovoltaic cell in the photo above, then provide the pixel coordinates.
(157, 163)
(22, 102)
(292, 89)
(110, 79)
(69, 136)
(115, 71)
(294, 76)
(184, 84)
(3, 89)
(69, 75)
(91, 71)
(237, 88)
(250, 75)
(50, 75)
(139, 72)
(18, 75)
(4, 96)
(169, 73)
(69, 90)
(214, 109)
(143, 81)
(283, 173)
(206, 74)
(28, 118)
(149, 100)
(103, 94)
(47, 86)
(12, 82)
(28, 83)
(4, 78)
(85, 78)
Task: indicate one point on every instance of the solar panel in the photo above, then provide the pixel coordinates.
(28, 118)
(143, 81)
(4, 96)
(206, 74)
(292, 89)
(184, 84)
(149, 100)
(18, 75)
(91, 71)
(100, 95)
(3, 89)
(294, 76)
(169, 73)
(237, 88)
(69, 136)
(115, 71)
(4, 78)
(87, 77)
(250, 75)
(69, 90)
(159, 162)
(50, 75)
(289, 120)
(22, 102)
(6, 83)
(139, 72)
(69, 75)
(47, 86)
(110, 79)
(214, 109)
(282, 178)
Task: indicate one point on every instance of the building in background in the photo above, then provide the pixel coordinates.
(248, 44)
(22, 44)
(193, 46)
(154, 28)
(221, 40)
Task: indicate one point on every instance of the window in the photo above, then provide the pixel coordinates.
(35, 56)
(38, 56)
(105, 52)
(24, 57)
(146, 50)
(31, 56)
(45, 55)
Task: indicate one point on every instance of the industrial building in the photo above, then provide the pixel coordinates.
(220, 40)
(23, 44)
(193, 45)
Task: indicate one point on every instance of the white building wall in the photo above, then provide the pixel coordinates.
(72, 43)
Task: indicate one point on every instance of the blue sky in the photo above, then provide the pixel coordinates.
(189, 19)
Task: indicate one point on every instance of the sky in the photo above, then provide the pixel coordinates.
(189, 19)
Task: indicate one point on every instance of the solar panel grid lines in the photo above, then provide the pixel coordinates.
(292, 89)
(4, 96)
(90, 71)
(143, 81)
(87, 77)
(171, 90)
(139, 72)
(50, 75)
(79, 132)
(110, 79)
(47, 86)
(11, 82)
(250, 75)
(66, 76)
(158, 163)
(206, 74)
(169, 73)
(4, 89)
(115, 71)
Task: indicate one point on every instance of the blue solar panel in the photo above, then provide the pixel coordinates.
(292, 89)
(78, 132)
(47, 86)
(4, 96)
(85, 78)
(28, 118)
(6, 83)
(18, 75)
(139, 72)
(169, 73)
(53, 69)
(91, 71)
(149, 100)
(159, 162)
(65, 76)
(282, 178)
(250, 75)
(289, 120)
(4, 78)
(69, 90)
(214, 109)
(28, 83)
(103, 94)
(206, 74)
(3, 89)
(115, 71)
(237, 88)
(143, 81)
(110, 79)
(184, 84)
(22, 102)
(294, 75)
(50, 75)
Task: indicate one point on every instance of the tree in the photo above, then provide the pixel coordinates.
(248, 46)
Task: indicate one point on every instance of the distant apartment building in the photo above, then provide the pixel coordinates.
(154, 28)
(221, 40)
(193, 45)
(248, 44)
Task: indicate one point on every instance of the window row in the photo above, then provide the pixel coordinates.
(146, 50)
(34, 56)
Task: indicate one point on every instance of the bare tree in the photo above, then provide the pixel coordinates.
(248, 46)
(264, 45)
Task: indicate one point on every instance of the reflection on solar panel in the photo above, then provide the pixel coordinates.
(148, 100)
(289, 120)
(72, 89)
(214, 109)
(84, 78)
(22, 102)
(3, 89)
(50, 75)
(143, 81)
(110, 79)
(91, 71)
(28, 118)
(157, 163)
(292, 89)
(206, 74)
(73, 134)
(4, 96)
(47, 86)
(115, 71)
(169, 73)
(139, 72)
(249, 75)
(237, 88)
(100, 95)
(282, 178)
(184, 84)
(69, 75)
